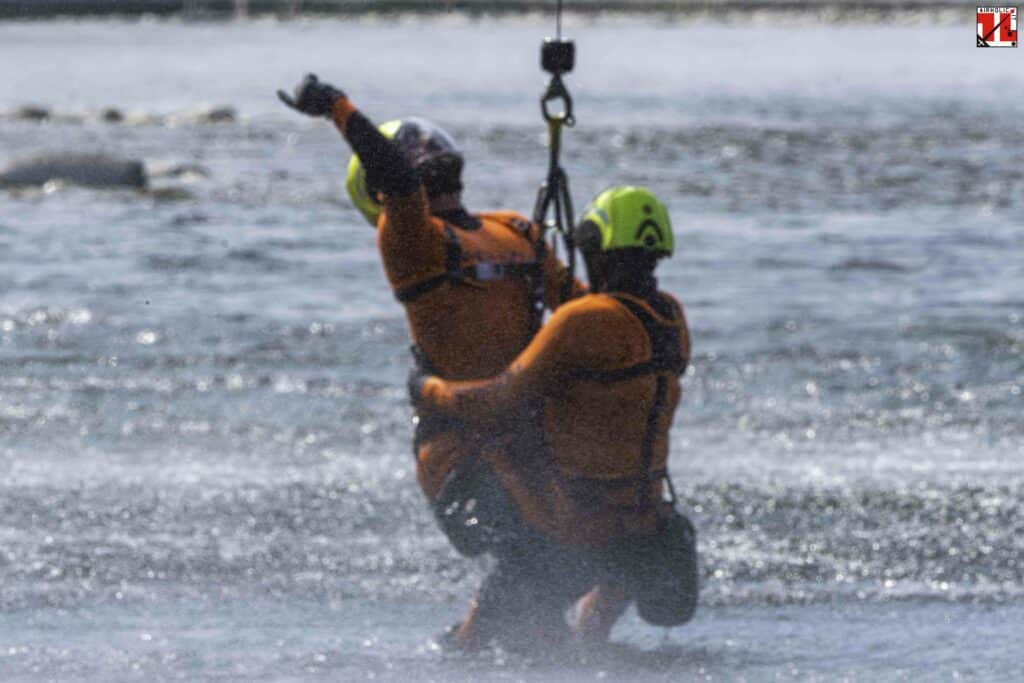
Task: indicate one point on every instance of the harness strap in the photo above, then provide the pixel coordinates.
(497, 271)
(452, 253)
(614, 482)
(533, 273)
(665, 355)
(647, 445)
(413, 292)
(588, 487)
(536, 281)
(455, 273)
(622, 374)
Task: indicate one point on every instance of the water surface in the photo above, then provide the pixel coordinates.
(204, 439)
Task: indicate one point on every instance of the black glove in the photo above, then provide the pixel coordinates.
(312, 97)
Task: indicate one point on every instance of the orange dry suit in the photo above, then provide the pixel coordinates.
(604, 371)
(473, 291)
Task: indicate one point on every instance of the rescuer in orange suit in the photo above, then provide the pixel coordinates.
(604, 374)
(474, 288)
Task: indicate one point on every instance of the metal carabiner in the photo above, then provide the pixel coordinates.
(557, 91)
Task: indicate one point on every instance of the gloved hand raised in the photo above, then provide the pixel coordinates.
(312, 97)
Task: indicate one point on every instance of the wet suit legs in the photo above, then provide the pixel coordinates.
(522, 602)
(598, 610)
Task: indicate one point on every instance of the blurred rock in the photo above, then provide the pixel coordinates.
(32, 113)
(91, 170)
(219, 115)
(112, 115)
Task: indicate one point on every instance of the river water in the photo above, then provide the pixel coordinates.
(205, 470)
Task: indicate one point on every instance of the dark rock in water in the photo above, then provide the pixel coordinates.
(111, 115)
(92, 170)
(219, 115)
(32, 113)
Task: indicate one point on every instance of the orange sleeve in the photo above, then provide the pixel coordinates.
(408, 240)
(579, 335)
(341, 111)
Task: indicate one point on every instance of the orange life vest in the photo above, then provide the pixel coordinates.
(622, 483)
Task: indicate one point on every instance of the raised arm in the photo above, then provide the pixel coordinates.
(407, 240)
(387, 170)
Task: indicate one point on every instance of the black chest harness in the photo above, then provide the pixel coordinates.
(457, 273)
(666, 357)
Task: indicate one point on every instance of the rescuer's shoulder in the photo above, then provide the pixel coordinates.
(593, 314)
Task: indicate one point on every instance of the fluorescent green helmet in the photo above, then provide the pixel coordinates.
(627, 217)
(424, 144)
